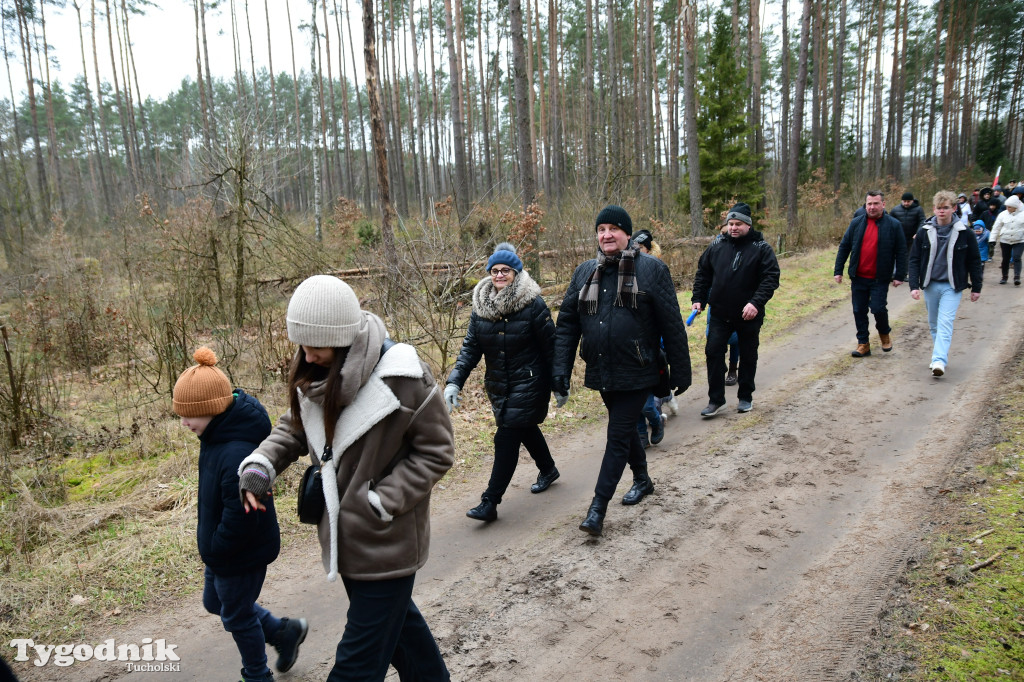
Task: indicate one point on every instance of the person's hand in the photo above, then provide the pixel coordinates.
(250, 502)
(451, 397)
(678, 386)
(897, 282)
(975, 295)
(839, 279)
(697, 306)
(749, 311)
(560, 384)
(915, 294)
(560, 399)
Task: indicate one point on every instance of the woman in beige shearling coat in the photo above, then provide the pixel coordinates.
(369, 411)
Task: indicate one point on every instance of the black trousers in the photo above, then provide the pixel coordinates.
(623, 443)
(385, 627)
(747, 334)
(869, 295)
(507, 440)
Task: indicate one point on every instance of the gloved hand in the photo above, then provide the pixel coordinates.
(451, 396)
(560, 384)
(680, 385)
(255, 478)
(560, 399)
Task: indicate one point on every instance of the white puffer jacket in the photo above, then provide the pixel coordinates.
(1009, 227)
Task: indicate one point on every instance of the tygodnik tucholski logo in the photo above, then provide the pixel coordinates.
(149, 655)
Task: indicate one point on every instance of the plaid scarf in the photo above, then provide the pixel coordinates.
(627, 281)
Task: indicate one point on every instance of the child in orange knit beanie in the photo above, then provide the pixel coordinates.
(236, 547)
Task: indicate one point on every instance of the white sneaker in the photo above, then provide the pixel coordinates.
(938, 368)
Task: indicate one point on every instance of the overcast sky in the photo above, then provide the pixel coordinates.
(163, 41)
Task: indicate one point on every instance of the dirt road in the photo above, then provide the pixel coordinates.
(763, 554)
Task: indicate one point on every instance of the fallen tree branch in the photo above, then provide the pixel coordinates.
(981, 535)
(987, 562)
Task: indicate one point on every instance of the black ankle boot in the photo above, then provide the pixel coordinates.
(485, 511)
(642, 487)
(594, 522)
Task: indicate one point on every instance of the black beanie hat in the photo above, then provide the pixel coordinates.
(644, 238)
(907, 196)
(614, 215)
(740, 212)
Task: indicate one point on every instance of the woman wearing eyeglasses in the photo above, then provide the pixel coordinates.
(511, 328)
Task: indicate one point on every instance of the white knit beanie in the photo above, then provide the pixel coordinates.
(323, 313)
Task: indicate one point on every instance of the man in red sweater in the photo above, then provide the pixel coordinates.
(877, 250)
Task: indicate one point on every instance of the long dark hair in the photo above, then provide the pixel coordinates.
(301, 374)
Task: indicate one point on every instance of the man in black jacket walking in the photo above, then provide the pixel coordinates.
(877, 249)
(910, 214)
(737, 275)
(623, 306)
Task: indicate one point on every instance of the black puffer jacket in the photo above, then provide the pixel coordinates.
(892, 249)
(742, 270)
(230, 541)
(910, 218)
(515, 334)
(620, 344)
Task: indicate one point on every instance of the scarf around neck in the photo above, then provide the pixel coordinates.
(625, 293)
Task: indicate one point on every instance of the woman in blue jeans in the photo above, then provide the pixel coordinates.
(944, 260)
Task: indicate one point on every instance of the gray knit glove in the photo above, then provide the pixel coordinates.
(255, 478)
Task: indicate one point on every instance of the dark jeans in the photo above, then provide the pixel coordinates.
(623, 444)
(507, 440)
(233, 598)
(719, 333)
(385, 627)
(1011, 252)
(650, 414)
(869, 294)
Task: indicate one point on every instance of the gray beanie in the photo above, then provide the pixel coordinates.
(323, 313)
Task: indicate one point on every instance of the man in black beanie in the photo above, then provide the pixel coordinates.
(910, 214)
(736, 275)
(623, 305)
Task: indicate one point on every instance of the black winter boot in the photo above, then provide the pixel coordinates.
(286, 642)
(594, 522)
(642, 487)
(485, 511)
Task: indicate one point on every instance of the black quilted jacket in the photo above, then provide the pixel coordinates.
(515, 335)
(620, 344)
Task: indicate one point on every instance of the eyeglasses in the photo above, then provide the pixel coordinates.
(502, 272)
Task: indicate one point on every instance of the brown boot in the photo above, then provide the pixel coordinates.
(863, 350)
(886, 342)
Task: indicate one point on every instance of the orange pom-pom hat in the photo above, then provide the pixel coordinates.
(202, 390)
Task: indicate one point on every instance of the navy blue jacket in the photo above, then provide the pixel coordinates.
(892, 249)
(232, 542)
(621, 344)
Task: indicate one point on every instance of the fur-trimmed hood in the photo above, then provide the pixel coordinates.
(491, 305)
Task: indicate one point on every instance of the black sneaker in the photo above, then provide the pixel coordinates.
(485, 511)
(287, 640)
(712, 409)
(745, 406)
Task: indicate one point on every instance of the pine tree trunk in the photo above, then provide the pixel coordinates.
(784, 130)
(301, 188)
(26, 52)
(53, 147)
(792, 225)
(612, 104)
(689, 8)
(488, 162)
(522, 104)
(90, 114)
(461, 189)
(424, 194)
(367, 191)
(317, 110)
(837, 104)
(754, 121)
(380, 151)
(209, 79)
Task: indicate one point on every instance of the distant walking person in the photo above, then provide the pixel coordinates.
(620, 304)
(944, 261)
(877, 249)
(511, 328)
(235, 547)
(1008, 233)
(736, 276)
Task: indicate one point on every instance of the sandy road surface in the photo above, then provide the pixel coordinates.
(763, 554)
